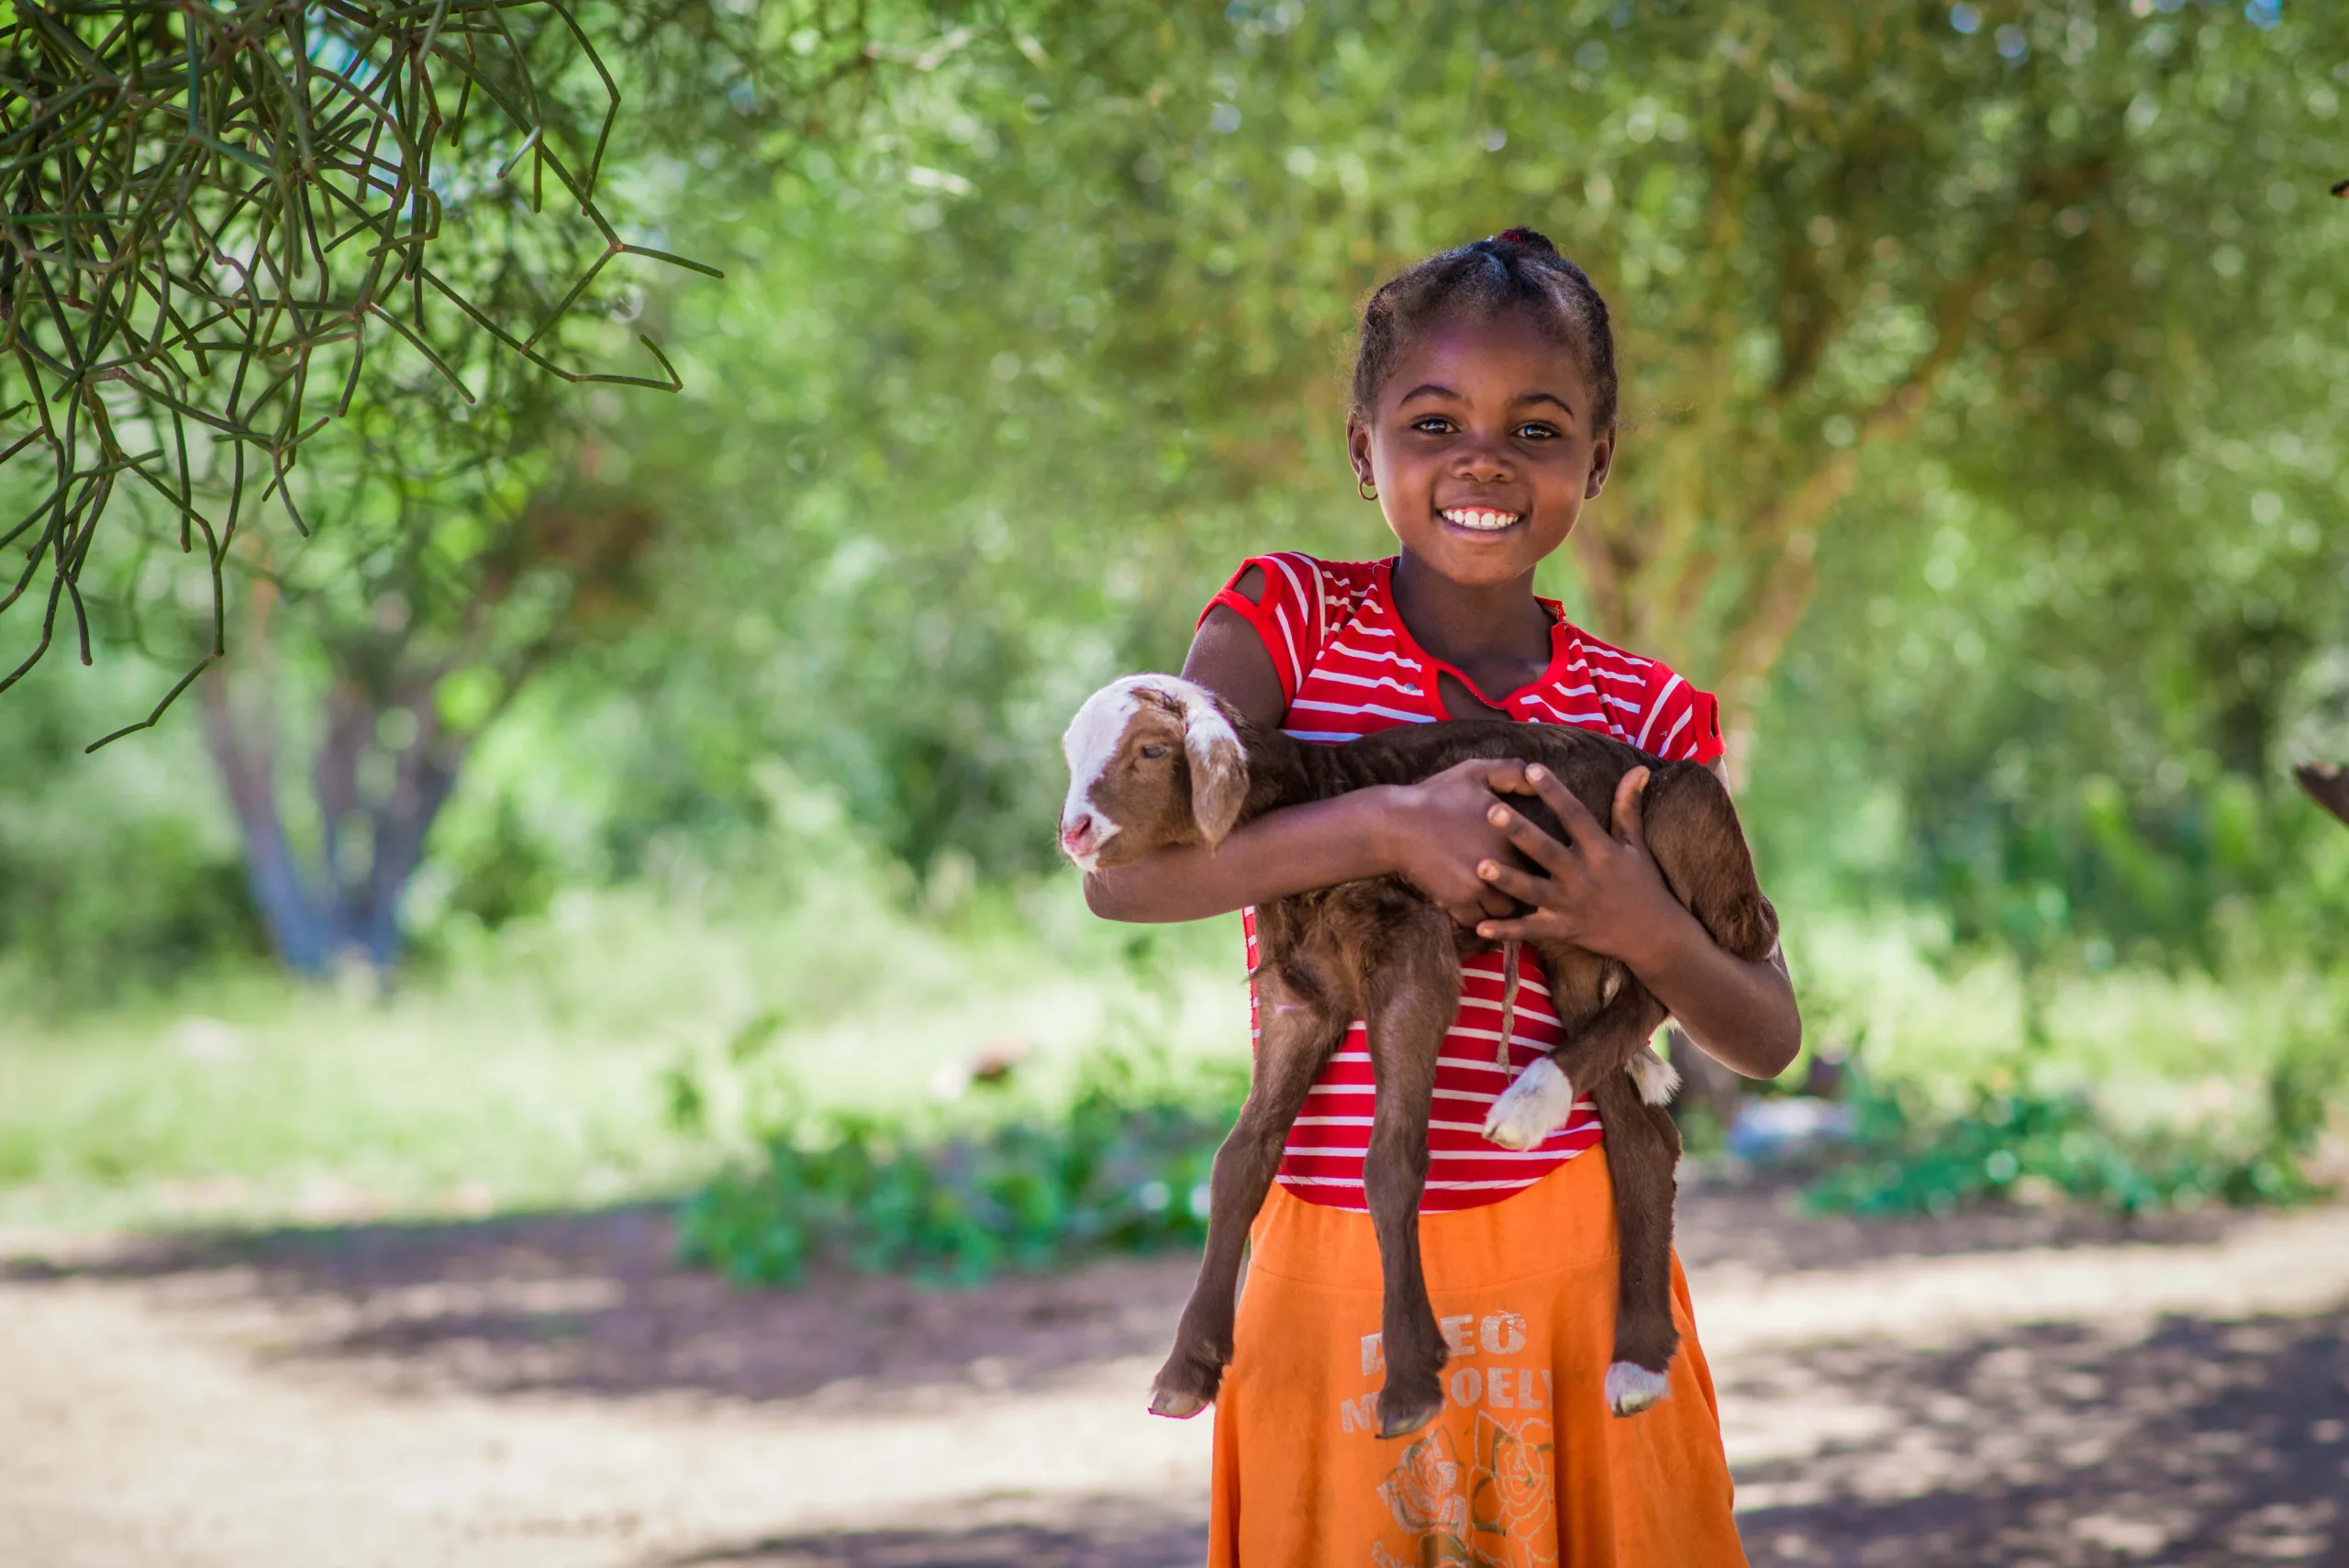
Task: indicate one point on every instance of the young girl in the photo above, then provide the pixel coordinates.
(1483, 419)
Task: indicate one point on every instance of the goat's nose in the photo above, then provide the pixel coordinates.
(1078, 837)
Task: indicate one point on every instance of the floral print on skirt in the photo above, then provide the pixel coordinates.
(1526, 1468)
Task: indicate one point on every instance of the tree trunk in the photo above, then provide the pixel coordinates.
(343, 902)
(299, 928)
(386, 763)
(424, 773)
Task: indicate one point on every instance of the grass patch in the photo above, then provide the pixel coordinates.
(266, 1101)
(1017, 1169)
(1124, 1167)
(538, 1065)
(791, 1042)
(2017, 1145)
(2130, 1089)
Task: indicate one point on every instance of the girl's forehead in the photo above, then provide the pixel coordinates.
(1489, 355)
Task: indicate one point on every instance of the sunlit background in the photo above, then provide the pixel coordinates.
(625, 799)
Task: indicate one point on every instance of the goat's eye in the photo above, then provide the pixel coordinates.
(1153, 751)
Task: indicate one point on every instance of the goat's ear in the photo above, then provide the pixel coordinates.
(1219, 773)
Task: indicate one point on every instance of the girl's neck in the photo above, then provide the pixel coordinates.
(1499, 636)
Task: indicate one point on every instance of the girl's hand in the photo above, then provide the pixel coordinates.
(1601, 890)
(1436, 833)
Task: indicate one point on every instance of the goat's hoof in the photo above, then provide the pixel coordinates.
(1533, 1108)
(1632, 1388)
(1401, 1414)
(1185, 1385)
(1656, 1079)
(1176, 1404)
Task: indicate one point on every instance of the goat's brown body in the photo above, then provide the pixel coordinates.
(1380, 950)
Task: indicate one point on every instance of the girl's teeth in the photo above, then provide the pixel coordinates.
(1479, 518)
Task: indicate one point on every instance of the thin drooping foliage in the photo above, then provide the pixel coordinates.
(211, 216)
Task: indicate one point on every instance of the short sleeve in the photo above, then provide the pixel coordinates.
(1680, 724)
(1288, 618)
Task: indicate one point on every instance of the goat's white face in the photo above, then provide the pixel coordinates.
(1151, 762)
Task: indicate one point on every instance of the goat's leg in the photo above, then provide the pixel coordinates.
(1642, 1151)
(1297, 1037)
(1409, 998)
(1614, 1040)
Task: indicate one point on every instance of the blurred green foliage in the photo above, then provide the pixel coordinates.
(2039, 1147)
(996, 400)
(2073, 742)
(1123, 1168)
(997, 1172)
(1984, 391)
(1967, 352)
(114, 878)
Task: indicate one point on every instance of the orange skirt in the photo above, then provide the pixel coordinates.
(1525, 1466)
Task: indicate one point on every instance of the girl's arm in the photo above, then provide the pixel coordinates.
(1433, 833)
(1603, 892)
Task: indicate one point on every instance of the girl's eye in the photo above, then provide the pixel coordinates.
(1537, 432)
(1154, 751)
(1433, 425)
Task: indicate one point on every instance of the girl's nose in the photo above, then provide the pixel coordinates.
(1486, 465)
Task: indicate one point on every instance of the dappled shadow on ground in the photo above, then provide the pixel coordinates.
(2186, 1443)
(1760, 1223)
(596, 1303)
(2197, 1444)
(2191, 1444)
(1108, 1532)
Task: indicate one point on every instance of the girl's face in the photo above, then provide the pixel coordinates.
(1480, 447)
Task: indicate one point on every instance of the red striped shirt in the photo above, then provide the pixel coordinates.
(1349, 667)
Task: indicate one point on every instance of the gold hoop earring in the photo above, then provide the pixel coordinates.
(1365, 489)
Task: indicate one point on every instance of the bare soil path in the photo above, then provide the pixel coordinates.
(554, 1392)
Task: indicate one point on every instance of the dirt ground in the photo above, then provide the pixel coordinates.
(2003, 1388)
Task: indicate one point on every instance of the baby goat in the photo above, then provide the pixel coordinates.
(1156, 761)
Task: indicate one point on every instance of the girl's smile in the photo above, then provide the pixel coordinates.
(1480, 519)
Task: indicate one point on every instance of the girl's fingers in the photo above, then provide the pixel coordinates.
(1520, 885)
(1507, 777)
(1572, 815)
(1518, 931)
(1537, 845)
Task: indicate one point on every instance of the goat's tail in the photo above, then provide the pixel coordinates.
(1693, 831)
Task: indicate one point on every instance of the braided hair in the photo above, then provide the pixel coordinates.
(1517, 269)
